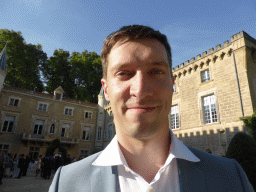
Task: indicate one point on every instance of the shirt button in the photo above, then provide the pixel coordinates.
(150, 190)
(127, 170)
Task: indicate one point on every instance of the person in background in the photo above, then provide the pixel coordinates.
(5, 159)
(74, 159)
(27, 161)
(21, 166)
(68, 160)
(8, 167)
(16, 170)
(38, 167)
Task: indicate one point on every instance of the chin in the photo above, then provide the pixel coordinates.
(141, 130)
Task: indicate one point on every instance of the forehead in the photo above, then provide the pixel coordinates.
(138, 50)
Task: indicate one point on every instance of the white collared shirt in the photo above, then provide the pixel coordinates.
(166, 179)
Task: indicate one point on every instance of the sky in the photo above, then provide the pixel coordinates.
(191, 27)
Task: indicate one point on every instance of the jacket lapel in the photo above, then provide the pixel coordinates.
(191, 178)
(105, 179)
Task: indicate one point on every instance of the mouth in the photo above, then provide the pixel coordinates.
(142, 109)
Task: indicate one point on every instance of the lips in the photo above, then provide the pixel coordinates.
(141, 109)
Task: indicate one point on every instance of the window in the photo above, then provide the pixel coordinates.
(88, 115)
(42, 106)
(205, 76)
(110, 131)
(174, 117)
(209, 108)
(99, 134)
(174, 88)
(58, 96)
(111, 114)
(65, 130)
(8, 124)
(14, 102)
(38, 128)
(4, 148)
(52, 129)
(34, 152)
(86, 134)
(84, 153)
(68, 111)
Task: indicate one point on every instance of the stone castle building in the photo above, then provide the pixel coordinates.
(31, 120)
(211, 93)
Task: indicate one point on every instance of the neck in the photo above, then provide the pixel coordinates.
(146, 156)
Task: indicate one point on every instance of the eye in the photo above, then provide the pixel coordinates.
(123, 75)
(157, 71)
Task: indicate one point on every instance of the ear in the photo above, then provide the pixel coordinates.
(105, 88)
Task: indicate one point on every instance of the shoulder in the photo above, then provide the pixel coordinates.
(222, 169)
(79, 167)
(211, 160)
(76, 176)
(213, 165)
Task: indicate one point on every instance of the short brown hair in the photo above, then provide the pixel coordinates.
(129, 33)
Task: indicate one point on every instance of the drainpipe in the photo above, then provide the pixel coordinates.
(238, 85)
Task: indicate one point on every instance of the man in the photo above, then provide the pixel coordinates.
(5, 159)
(68, 160)
(22, 166)
(145, 155)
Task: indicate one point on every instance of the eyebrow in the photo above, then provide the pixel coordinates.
(160, 63)
(123, 65)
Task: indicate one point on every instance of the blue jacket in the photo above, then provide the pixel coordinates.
(211, 174)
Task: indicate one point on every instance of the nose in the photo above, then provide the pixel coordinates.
(141, 86)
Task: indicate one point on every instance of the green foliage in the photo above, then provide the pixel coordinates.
(56, 145)
(24, 61)
(57, 73)
(78, 75)
(28, 68)
(242, 148)
(87, 72)
(250, 123)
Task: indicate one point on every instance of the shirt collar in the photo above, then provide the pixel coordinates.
(112, 154)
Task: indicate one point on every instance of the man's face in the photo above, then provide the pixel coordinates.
(139, 87)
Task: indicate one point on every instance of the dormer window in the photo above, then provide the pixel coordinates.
(58, 96)
(58, 93)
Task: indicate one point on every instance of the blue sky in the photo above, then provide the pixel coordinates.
(192, 27)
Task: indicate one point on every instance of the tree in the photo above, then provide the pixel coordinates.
(87, 72)
(57, 72)
(250, 123)
(242, 148)
(24, 61)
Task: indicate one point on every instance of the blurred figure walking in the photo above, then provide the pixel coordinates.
(38, 167)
